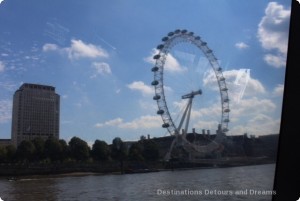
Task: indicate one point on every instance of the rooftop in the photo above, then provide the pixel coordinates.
(37, 86)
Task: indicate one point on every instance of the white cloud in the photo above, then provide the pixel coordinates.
(273, 33)
(210, 112)
(244, 86)
(113, 122)
(263, 124)
(50, 47)
(246, 113)
(101, 68)
(118, 91)
(254, 86)
(260, 124)
(241, 45)
(238, 84)
(273, 28)
(142, 122)
(141, 87)
(1, 1)
(208, 125)
(5, 111)
(78, 49)
(278, 90)
(2, 67)
(251, 114)
(248, 98)
(148, 105)
(252, 106)
(275, 60)
(171, 65)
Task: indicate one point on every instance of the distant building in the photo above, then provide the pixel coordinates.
(35, 113)
(5, 142)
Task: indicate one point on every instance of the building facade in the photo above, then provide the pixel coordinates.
(36, 110)
(5, 142)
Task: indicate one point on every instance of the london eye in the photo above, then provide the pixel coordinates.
(189, 84)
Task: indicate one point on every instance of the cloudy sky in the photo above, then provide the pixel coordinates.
(98, 55)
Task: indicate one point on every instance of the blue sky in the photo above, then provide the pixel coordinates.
(98, 56)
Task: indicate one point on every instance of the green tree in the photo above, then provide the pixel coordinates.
(119, 152)
(10, 152)
(26, 150)
(151, 150)
(136, 152)
(118, 149)
(39, 145)
(64, 149)
(100, 150)
(143, 137)
(53, 149)
(79, 149)
(3, 154)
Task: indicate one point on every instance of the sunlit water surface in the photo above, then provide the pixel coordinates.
(237, 183)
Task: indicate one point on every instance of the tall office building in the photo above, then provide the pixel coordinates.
(35, 113)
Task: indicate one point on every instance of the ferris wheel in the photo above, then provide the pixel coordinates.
(186, 69)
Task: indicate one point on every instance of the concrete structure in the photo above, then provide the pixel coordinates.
(35, 113)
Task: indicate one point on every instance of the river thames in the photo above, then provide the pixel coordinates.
(235, 183)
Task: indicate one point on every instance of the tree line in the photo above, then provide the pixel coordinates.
(58, 150)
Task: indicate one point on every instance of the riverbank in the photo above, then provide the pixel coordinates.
(220, 163)
(113, 167)
(76, 168)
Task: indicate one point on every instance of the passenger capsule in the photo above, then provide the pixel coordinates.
(154, 69)
(209, 51)
(222, 78)
(226, 120)
(159, 47)
(154, 83)
(170, 34)
(191, 33)
(224, 89)
(203, 43)
(160, 112)
(166, 125)
(156, 56)
(177, 31)
(156, 97)
(183, 31)
(227, 110)
(164, 39)
(197, 38)
(226, 100)
(219, 69)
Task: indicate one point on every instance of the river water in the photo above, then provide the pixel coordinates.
(235, 183)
